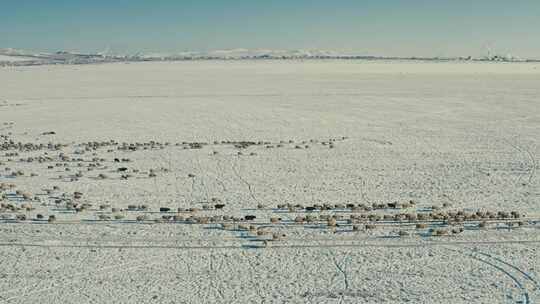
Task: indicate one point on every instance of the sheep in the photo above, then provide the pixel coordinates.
(103, 217)
(457, 230)
(421, 226)
(202, 220)
(403, 233)
(178, 218)
(503, 214)
(226, 226)
(411, 217)
(243, 227)
(277, 236)
(261, 232)
(440, 232)
(310, 218)
(326, 207)
(27, 207)
(299, 220)
(332, 222)
(374, 217)
(423, 217)
(141, 218)
(394, 205)
(405, 205)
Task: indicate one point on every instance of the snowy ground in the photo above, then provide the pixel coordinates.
(462, 135)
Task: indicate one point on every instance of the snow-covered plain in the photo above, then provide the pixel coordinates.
(462, 135)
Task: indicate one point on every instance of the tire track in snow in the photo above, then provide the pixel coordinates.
(512, 272)
(250, 187)
(532, 159)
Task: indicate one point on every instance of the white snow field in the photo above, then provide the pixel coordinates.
(317, 151)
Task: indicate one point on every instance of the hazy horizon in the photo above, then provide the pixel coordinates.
(391, 28)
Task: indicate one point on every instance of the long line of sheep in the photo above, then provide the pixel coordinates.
(269, 224)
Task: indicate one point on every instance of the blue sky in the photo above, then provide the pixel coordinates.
(400, 28)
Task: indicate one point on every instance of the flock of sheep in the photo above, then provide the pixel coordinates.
(267, 224)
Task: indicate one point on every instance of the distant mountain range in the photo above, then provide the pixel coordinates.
(14, 57)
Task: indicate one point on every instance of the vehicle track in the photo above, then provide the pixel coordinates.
(525, 274)
(342, 270)
(532, 160)
(248, 184)
(216, 271)
(276, 245)
(219, 174)
(107, 270)
(512, 272)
